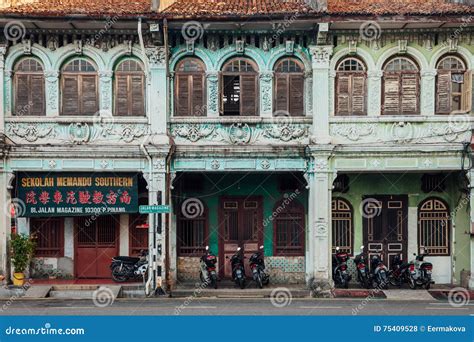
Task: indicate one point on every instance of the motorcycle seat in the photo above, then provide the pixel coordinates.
(130, 260)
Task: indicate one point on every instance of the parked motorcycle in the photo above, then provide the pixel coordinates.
(363, 276)
(238, 269)
(420, 272)
(378, 271)
(340, 275)
(208, 272)
(125, 268)
(398, 273)
(257, 265)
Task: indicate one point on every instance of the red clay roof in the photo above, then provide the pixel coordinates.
(226, 8)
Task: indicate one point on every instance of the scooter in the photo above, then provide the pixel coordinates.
(420, 272)
(340, 275)
(124, 268)
(362, 269)
(238, 269)
(378, 271)
(257, 265)
(398, 273)
(208, 272)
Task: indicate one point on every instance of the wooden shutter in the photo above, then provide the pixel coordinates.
(391, 94)
(182, 96)
(197, 94)
(467, 92)
(358, 94)
(409, 89)
(248, 99)
(89, 94)
(121, 95)
(343, 95)
(137, 94)
(443, 92)
(70, 95)
(22, 89)
(281, 92)
(296, 100)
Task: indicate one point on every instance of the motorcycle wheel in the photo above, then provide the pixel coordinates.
(395, 281)
(117, 275)
(366, 283)
(201, 277)
(259, 281)
(241, 283)
(427, 286)
(214, 281)
(412, 283)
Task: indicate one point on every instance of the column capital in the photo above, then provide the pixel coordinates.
(156, 56)
(321, 55)
(375, 74)
(106, 73)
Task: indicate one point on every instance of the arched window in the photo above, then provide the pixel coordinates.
(28, 84)
(239, 88)
(192, 230)
(401, 87)
(129, 89)
(190, 88)
(342, 226)
(79, 88)
(289, 228)
(453, 86)
(289, 87)
(434, 227)
(351, 87)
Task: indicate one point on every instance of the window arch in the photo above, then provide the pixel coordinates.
(289, 228)
(28, 88)
(239, 91)
(129, 88)
(192, 230)
(401, 84)
(434, 224)
(342, 225)
(453, 86)
(289, 87)
(190, 88)
(351, 88)
(79, 88)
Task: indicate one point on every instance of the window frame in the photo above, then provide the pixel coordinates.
(298, 208)
(79, 80)
(190, 76)
(43, 252)
(447, 228)
(335, 209)
(351, 74)
(197, 251)
(129, 76)
(29, 74)
(288, 75)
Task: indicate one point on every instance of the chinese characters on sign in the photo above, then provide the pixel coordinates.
(76, 194)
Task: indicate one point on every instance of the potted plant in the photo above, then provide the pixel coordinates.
(22, 248)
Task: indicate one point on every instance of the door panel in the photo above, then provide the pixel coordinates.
(386, 226)
(240, 226)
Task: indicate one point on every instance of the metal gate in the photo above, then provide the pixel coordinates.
(96, 244)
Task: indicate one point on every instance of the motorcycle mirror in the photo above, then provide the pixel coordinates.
(207, 248)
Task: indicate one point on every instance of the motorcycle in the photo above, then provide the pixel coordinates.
(420, 272)
(124, 268)
(257, 265)
(362, 270)
(378, 271)
(398, 273)
(340, 274)
(208, 272)
(238, 269)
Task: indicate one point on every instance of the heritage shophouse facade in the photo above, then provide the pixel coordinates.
(299, 130)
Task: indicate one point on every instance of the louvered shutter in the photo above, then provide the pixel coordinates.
(248, 99)
(296, 95)
(197, 95)
(358, 94)
(467, 92)
(409, 93)
(89, 94)
(391, 94)
(182, 96)
(137, 95)
(343, 95)
(22, 89)
(281, 93)
(70, 95)
(121, 95)
(36, 92)
(443, 92)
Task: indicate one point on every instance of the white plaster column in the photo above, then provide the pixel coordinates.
(52, 92)
(320, 61)
(158, 101)
(124, 234)
(471, 278)
(412, 233)
(3, 50)
(7, 95)
(6, 179)
(105, 91)
(427, 92)
(69, 237)
(266, 94)
(332, 91)
(308, 84)
(310, 249)
(212, 94)
(374, 92)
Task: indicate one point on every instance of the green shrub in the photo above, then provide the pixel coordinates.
(22, 249)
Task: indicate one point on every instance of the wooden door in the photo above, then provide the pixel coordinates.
(96, 244)
(240, 225)
(385, 226)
